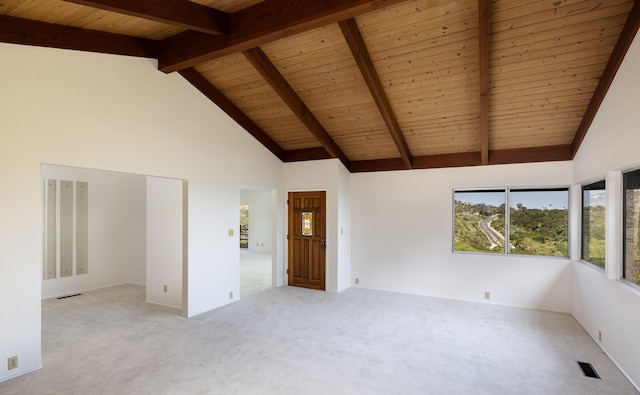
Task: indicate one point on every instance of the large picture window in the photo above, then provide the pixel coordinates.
(593, 223)
(537, 222)
(631, 226)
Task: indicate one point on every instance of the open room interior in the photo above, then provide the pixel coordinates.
(378, 114)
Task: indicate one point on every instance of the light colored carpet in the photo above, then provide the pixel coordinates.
(296, 341)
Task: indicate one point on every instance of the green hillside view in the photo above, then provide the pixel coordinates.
(468, 235)
(532, 231)
(593, 222)
(539, 231)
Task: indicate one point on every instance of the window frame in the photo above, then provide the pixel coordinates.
(594, 186)
(623, 215)
(507, 219)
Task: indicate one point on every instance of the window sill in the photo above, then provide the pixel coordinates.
(629, 286)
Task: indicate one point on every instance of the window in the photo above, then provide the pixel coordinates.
(593, 223)
(536, 224)
(479, 221)
(539, 222)
(631, 226)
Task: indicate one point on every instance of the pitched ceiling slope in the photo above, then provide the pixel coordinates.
(378, 84)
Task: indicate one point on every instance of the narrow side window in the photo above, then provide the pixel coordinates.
(631, 226)
(593, 223)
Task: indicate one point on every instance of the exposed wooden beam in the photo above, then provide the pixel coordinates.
(365, 166)
(528, 155)
(464, 159)
(619, 51)
(306, 154)
(483, 35)
(259, 24)
(268, 70)
(447, 160)
(359, 50)
(183, 13)
(203, 85)
(41, 34)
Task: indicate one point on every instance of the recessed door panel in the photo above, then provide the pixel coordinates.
(82, 227)
(50, 230)
(66, 228)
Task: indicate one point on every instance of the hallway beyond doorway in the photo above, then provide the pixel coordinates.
(255, 272)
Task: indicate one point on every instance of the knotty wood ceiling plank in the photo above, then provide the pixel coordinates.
(483, 38)
(183, 13)
(74, 15)
(202, 84)
(351, 33)
(622, 46)
(264, 66)
(549, 66)
(260, 24)
(28, 32)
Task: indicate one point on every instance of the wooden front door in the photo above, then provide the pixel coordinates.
(307, 246)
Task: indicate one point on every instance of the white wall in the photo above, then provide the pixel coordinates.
(119, 114)
(344, 228)
(325, 175)
(260, 218)
(164, 241)
(402, 224)
(116, 233)
(612, 144)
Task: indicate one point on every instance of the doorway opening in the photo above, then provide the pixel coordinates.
(116, 228)
(257, 235)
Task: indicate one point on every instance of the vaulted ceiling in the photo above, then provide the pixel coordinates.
(378, 84)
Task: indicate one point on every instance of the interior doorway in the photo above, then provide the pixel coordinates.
(257, 221)
(135, 229)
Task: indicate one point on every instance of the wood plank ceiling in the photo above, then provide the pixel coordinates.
(378, 84)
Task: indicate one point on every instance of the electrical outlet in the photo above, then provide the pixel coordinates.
(600, 335)
(12, 362)
(165, 288)
(357, 281)
(231, 295)
(230, 232)
(487, 295)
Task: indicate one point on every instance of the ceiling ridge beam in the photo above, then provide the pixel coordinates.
(260, 24)
(183, 13)
(42, 34)
(218, 98)
(617, 55)
(464, 159)
(306, 154)
(552, 153)
(483, 36)
(270, 73)
(353, 36)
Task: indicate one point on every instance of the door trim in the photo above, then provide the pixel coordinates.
(316, 245)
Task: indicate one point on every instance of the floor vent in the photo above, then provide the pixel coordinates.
(69, 296)
(588, 370)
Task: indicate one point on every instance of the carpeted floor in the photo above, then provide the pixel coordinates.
(296, 341)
